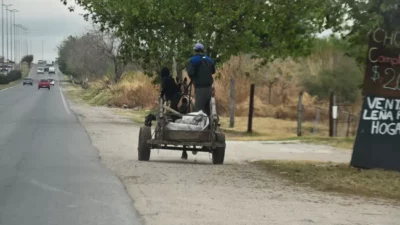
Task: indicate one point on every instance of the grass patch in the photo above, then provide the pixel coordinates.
(136, 115)
(25, 72)
(337, 178)
(267, 129)
(264, 128)
(339, 142)
(94, 95)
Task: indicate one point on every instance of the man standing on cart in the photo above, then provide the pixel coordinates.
(200, 70)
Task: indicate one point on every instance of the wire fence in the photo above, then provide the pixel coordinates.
(336, 119)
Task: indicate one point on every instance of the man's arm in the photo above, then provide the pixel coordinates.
(212, 62)
(213, 67)
(190, 70)
(194, 62)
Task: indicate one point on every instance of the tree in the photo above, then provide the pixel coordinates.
(155, 32)
(110, 46)
(80, 57)
(329, 70)
(365, 16)
(28, 59)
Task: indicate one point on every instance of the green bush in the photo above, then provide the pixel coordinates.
(14, 75)
(3, 79)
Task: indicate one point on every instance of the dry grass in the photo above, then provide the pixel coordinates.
(134, 90)
(338, 178)
(266, 128)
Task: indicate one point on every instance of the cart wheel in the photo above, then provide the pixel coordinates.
(218, 154)
(144, 147)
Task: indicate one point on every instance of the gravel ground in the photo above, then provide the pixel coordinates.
(168, 190)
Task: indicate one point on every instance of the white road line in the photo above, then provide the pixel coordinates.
(6, 88)
(62, 96)
(63, 99)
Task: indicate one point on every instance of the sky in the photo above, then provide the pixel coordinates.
(48, 21)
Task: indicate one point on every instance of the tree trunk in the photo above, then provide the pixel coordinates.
(300, 114)
(118, 70)
(232, 104)
(269, 93)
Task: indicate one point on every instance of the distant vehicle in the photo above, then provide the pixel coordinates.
(44, 83)
(40, 62)
(40, 70)
(52, 70)
(52, 82)
(49, 64)
(28, 81)
(46, 69)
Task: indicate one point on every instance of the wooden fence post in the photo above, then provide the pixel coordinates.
(299, 114)
(348, 124)
(316, 122)
(333, 111)
(232, 104)
(251, 110)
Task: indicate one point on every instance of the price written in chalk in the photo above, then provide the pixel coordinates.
(394, 78)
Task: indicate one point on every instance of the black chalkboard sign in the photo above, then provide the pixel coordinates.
(377, 144)
(378, 136)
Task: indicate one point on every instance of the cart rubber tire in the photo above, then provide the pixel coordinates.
(144, 148)
(218, 154)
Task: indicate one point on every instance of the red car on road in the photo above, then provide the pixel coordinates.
(44, 84)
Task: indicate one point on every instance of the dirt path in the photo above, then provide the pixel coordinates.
(168, 190)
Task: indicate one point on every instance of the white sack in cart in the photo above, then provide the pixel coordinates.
(195, 121)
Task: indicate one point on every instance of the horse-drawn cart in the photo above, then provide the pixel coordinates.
(209, 139)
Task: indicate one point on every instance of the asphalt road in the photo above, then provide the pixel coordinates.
(49, 171)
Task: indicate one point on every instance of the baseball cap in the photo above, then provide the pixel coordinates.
(198, 46)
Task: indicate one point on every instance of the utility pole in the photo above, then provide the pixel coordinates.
(7, 27)
(13, 35)
(42, 49)
(16, 41)
(25, 41)
(2, 28)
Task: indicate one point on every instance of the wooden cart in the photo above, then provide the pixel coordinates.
(210, 140)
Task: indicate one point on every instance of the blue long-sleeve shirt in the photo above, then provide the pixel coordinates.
(200, 70)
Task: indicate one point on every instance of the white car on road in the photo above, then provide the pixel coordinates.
(40, 70)
(52, 70)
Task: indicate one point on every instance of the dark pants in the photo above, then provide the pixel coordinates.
(174, 100)
(202, 99)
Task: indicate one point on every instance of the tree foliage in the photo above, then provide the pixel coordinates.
(92, 55)
(28, 59)
(328, 69)
(155, 32)
(362, 16)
